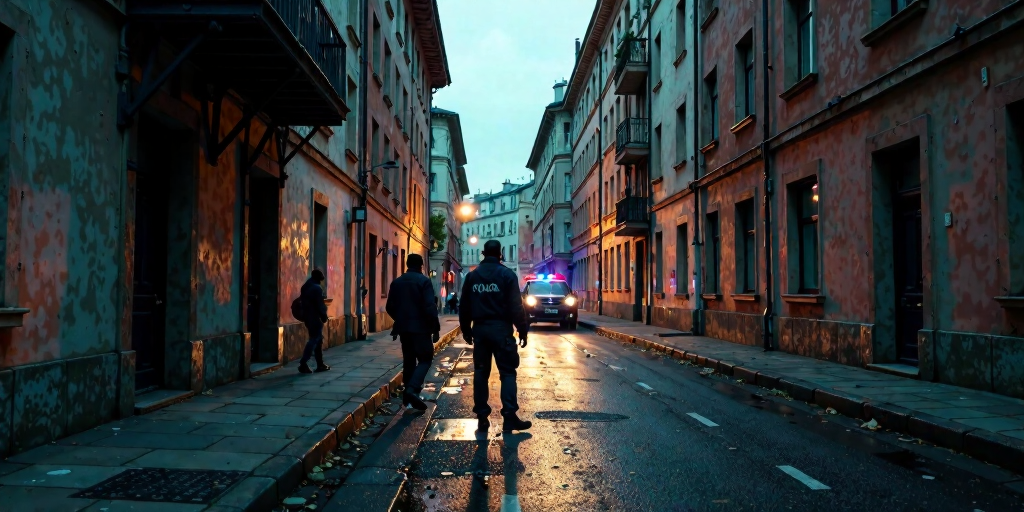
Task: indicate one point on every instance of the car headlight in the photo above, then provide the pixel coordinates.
(570, 301)
(531, 301)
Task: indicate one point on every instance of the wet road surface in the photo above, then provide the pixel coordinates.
(620, 429)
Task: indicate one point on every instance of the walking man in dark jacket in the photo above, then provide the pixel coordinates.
(316, 316)
(491, 305)
(412, 306)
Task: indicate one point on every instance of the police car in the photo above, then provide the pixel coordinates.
(548, 298)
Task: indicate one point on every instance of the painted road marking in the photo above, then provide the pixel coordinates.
(702, 419)
(645, 386)
(616, 368)
(803, 478)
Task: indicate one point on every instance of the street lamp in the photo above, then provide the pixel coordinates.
(467, 211)
(473, 240)
(359, 216)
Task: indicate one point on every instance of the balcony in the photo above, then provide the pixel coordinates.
(632, 141)
(285, 58)
(631, 67)
(631, 217)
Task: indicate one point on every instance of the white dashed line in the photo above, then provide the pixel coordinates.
(702, 419)
(803, 478)
(616, 368)
(645, 386)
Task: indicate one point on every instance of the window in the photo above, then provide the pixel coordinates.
(895, 6)
(568, 237)
(386, 70)
(567, 186)
(804, 12)
(714, 245)
(682, 261)
(618, 268)
(1015, 196)
(548, 288)
(383, 270)
(680, 27)
(707, 6)
(319, 242)
(745, 247)
(405, 186)
(656, 153)
(627, 258)
(806, 205)
(680, 156)
(655, 60)
(395, 268)
(433, 182)
(566, 131)
(711, 86)
(375, 43)
(745, 77)
(375, 143)
(659, 274)
(352, 98)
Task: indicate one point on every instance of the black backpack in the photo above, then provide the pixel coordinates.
(299, 309)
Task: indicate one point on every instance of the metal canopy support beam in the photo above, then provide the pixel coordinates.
(255, 156)
(214, 148)
(305, 140)
(282, 159)
(148, 88)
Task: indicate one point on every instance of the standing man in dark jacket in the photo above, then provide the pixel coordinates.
(491, 305)
(316, 316)
(411, 305)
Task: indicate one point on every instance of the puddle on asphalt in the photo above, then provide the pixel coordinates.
(456, 430)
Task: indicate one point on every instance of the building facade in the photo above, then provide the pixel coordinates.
(448, 185)
(854, 198)
(505, 216)
(551, 163)
(163, 205)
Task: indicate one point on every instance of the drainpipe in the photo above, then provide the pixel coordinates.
(649, 287)
(767, 327)
(698, 274)
(362, 169)
(600, 194)
(124, 78)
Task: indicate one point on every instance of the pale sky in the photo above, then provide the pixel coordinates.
(504, 58)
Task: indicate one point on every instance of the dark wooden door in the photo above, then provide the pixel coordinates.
(371, 300)
(149, 282)
(253, 270)
(639, 281)
(908, 274)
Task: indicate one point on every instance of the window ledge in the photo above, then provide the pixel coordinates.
(802, 85)
(658, 180)
(352, 157)
(911, 11)
(376, 78)
(746, 297)
(710, 296)
(353, 35)
(386, 190)
(679, 59)
(707, 21)
(659, 295)
(678, 167)
(801, 298)
(1008, 302)
(709, 147)
(683, 296)
(657, 86)
(745, 122)
(388, 102)
(12, 317)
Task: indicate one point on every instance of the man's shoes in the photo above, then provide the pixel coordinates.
(304, 368)
(483, 424)
(414, 401)
(512, 422)
(322, 367)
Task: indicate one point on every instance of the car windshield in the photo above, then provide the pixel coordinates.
(549, 288)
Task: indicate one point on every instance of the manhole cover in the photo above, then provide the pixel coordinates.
(579, 416)
(171, 485)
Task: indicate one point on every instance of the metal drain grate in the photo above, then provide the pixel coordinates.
(579, 416)
(169, 485)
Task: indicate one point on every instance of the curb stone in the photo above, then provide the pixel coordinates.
(991, 447)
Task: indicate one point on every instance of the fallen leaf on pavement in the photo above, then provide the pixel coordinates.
(905, 440)
(831, 411)
(871, 425)
(928, 477)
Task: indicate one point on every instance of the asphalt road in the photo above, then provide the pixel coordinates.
(671, 439)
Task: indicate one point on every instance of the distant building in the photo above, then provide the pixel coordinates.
(448, 186)
(505, 216)
(551, 163)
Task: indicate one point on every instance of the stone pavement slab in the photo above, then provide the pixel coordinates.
(949, 414)
(256, 425)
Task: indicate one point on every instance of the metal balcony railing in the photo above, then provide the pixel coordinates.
(313, 27)
(632, 51)
(631, 209)
(632, 132)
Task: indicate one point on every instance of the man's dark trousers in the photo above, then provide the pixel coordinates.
(417, 354)
(494, 339)
(315, 343)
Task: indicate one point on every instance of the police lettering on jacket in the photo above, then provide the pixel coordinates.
(486, 288)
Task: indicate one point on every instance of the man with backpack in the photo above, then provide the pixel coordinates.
(411, 304)
(312, 311)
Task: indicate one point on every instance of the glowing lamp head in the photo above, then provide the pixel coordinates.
(466, 210)
(473, 240)
(531, 300)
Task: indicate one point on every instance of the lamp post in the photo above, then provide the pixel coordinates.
(359, 216)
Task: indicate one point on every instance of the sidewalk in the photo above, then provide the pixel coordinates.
(983, 425)
(257, 438)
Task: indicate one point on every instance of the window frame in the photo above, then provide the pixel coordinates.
(798, 189)
(714, 267)
(682, 259)
(804, 61)
(746, 247)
